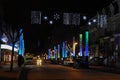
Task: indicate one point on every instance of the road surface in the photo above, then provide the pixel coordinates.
(60, 72)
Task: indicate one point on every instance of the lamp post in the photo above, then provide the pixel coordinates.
(74, 45)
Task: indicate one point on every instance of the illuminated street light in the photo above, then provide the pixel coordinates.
(74, 45)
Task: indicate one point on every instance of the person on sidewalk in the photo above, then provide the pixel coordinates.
(20, 60)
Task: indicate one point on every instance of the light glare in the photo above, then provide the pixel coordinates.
(45, 17)
(84, 17)
(89, 23)
(51, 22)
(94, 20)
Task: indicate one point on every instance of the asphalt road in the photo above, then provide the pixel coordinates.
(60, 72)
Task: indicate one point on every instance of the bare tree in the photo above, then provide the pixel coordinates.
(13, 34)
(0, 39)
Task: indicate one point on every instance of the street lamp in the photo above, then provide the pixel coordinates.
(74, 45)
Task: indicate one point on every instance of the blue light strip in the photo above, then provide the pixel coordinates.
(49, 54)
(52, 54)
(63, 51)
(55, 55)
(21, 44)
(58, 51)
(23, 47)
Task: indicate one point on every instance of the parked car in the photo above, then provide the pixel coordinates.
(28, 61)
(96, 61)
(79, 63)
(68, 62)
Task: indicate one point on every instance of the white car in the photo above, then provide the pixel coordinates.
(68, 61)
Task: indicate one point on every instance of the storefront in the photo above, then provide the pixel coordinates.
(6, 54)
(110, 49)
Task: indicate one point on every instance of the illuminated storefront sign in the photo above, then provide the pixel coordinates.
(4, 46)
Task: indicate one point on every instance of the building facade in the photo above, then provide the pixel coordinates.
(105, 35)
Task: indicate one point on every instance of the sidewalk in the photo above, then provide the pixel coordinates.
(5, 73)
(106, 69)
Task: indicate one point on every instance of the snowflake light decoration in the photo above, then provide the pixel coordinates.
(56, 16)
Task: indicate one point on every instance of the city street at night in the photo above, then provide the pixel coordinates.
(59, 39)
(60, 72)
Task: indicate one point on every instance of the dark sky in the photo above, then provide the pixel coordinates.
(39, 37)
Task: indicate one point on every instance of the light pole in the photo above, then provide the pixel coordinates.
(74, 45)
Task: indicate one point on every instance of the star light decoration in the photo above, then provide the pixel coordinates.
(68, 18)
(56, 16)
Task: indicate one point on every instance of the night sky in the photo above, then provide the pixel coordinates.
(42, 36)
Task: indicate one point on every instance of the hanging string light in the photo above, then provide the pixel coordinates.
(50, 22)
(94, 20)
(89, 23)
(84, 17)
(45, 18)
